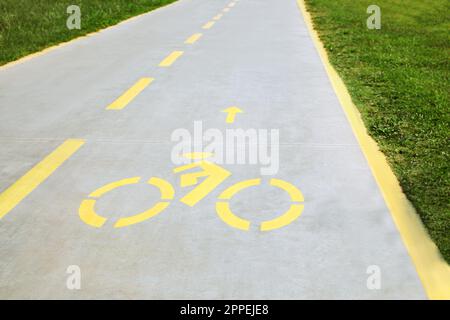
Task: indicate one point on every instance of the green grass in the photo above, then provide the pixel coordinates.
(398, 78)
(27, 26)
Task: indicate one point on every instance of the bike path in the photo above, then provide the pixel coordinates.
(258, 56)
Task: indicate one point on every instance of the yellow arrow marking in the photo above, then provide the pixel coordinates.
(232, 111)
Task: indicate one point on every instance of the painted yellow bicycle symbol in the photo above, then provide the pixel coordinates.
(214, 175)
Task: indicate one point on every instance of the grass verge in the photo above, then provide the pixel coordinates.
(398, 78)
(28, 26)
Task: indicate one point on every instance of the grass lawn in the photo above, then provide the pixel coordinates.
(27, 26)
(398, 77)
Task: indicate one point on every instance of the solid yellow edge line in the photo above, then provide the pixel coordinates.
(432, 269)
(130, 94)
(12, 196)
(193, 39)
(171, 58)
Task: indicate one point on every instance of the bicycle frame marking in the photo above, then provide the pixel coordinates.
(213, 175)
(224, 212)
(89, 216)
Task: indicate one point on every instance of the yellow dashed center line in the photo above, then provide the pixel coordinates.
(131, 93)
(12, 196)
(192, 39)
(208, 25)
(171, 58)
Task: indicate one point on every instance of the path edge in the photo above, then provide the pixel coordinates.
(87, 35)
(433, 270)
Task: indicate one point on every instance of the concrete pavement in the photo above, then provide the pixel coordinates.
(257, 55)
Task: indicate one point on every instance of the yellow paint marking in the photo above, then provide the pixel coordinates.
(289, 216)
(231, 5)
(12, 196)
(124, 222)
(113, 185)
(296, 195)
(191, 179)
(88, 215)
(224, 212)
(214, 174)
(231, 113)
(130, 94)
(166, 189)
(87, 208)
(231, 191)
(218, 17)
(193, 39)
(226, 9)
(171, 58)
(208, 25)
(286, 218)
(432, 269)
